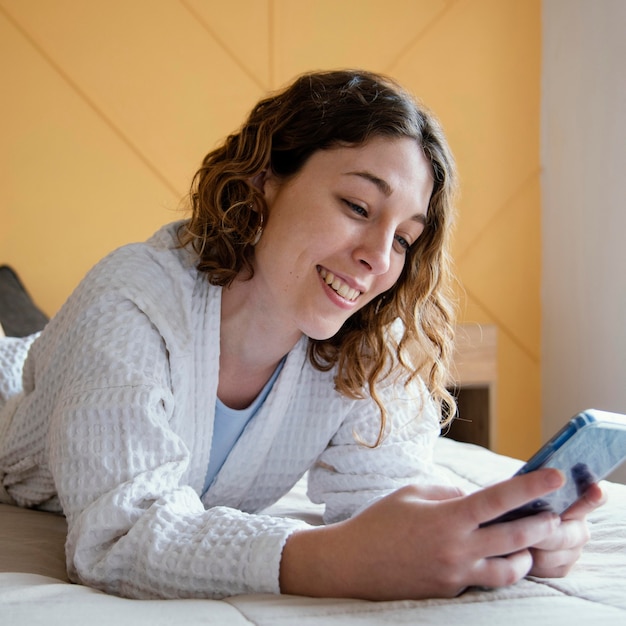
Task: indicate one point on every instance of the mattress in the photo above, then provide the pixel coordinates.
(34, 588)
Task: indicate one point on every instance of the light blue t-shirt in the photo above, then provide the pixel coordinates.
(228, 426)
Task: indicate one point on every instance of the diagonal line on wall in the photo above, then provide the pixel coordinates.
(496, 214)
(503, 328)
(422, 33)
(470, 247)
(117, 131)
(224, 46)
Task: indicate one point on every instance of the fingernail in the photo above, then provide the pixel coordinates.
(554, 478)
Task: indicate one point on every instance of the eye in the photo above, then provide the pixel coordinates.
(356, 208)
(402, 243)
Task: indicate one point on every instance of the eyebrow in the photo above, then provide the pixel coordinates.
(382, 184)
(420, 218)
(386, 189)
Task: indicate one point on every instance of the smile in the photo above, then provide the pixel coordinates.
(345, 291)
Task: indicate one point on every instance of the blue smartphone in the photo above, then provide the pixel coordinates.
(587, 449)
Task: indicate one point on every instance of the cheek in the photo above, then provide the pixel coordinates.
(394, 273)
(385, 283)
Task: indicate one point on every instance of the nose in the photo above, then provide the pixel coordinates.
(375, 250)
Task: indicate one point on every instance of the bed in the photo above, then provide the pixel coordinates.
(34, 588)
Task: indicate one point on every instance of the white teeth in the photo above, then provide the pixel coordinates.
(339, 286)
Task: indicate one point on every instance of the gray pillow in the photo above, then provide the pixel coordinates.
(19, 315)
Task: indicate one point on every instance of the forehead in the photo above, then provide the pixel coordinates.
(391, 166)
(386, 152)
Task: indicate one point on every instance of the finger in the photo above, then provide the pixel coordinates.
(503, 571)
(570, 534)
(553, 564)
(439, 492)
(503, 497)
(510, 537)
(593, 498)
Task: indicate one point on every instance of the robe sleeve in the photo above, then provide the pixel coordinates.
(134, 527)
(351, 474)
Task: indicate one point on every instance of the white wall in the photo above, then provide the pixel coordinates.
(584, 209)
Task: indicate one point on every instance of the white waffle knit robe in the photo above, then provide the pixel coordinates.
(113, 422)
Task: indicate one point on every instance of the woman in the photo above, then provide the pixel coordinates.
(299, 320)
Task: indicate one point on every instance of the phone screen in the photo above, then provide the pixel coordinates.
(586, 450)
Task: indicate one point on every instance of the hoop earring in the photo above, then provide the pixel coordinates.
(259, 232)
(380, 304)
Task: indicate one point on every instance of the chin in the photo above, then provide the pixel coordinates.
(322, 327)
(322, 333)
(321, 336)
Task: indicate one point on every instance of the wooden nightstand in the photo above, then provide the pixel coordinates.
(475, 364)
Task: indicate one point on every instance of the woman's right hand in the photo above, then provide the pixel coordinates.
(416, 544)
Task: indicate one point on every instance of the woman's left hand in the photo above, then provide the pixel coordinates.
(555, 556)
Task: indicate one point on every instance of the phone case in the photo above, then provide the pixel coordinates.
(588, 448)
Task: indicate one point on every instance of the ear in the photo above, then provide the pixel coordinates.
(266, 183)
(259, 180)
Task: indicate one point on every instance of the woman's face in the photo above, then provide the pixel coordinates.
(338, 231)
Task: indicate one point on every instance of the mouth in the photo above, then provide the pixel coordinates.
(337, 285)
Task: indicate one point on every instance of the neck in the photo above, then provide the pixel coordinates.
(251, 347)
(251, 332)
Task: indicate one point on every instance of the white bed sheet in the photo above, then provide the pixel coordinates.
(594, 592)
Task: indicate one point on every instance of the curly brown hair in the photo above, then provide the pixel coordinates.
(319, 111)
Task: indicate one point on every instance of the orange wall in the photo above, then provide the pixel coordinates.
(108, 107)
